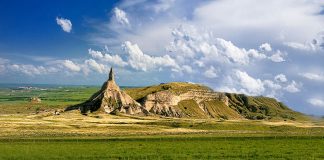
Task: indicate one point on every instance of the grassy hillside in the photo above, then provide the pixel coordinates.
(240, 105)
(260, 107)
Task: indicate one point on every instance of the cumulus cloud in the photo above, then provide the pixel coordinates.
(188, 69)
(65, 24)
(111, 59)
(140, 61)
(71, 65)
(189, 42)
(316, 102)
(241, 82)
(313, 76)
(293, 87)
(265, 47)
(248, 84)
(277, 57)
(232, 52)
(211, 72)
(280, 78)
(31, 70)
(272, 85)
(121, 16)
(272, 89)
(58, 66)
(95, 66)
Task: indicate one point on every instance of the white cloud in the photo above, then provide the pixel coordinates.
(316, 44)
(293, 87)
(228, 89)
(267, 17)
(316, 102)
(301, 46)
(121, 16)
(189, 42)
(313, 76)
(256, 54)
(280, 78)
(53, 66)
(277, 57)
(111, 59)
(96, 66)
(266, 47)
(71, 65)
(272, 88)
(241, 82)
(187, 69)
(248, 84)
(231, 52)
(65, 24)
(95, 54)
(30, 70)
(238, 23)
(140, 61)
(211, 72)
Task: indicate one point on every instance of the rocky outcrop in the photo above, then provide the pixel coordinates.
(181, 99)
(165, 102)
(111, 99)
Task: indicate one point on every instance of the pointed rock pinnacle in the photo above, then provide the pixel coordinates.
(111, 75)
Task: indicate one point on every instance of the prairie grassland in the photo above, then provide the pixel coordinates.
(71, 124)
(101, 136)
(32, 131)
(166, 148)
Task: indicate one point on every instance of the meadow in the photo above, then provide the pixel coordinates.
(32, 131)
(166, 148)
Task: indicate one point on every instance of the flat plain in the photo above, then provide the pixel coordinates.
(33, 131)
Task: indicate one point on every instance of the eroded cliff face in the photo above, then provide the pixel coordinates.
(111, 99)
(182, 99)
(171, 104)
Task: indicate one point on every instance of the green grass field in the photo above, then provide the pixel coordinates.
(13, 100)
(26, 134)
(167, 148)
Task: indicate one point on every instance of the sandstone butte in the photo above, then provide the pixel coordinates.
(182, 99)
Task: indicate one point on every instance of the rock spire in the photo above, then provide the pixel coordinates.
(110, 99)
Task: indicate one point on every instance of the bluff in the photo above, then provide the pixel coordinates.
(183, 100)
(110, 99)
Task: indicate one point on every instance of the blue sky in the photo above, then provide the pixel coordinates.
(257, 47)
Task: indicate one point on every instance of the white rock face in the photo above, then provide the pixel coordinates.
(163, 102)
